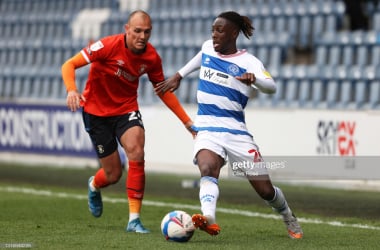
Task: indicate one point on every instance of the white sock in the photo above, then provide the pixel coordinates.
(133, 216)
(92, 187)
(279, 204)
(208, 196)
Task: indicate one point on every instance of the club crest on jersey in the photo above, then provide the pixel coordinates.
(142, 68)
(233, 70)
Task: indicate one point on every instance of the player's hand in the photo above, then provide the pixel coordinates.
(170, 84)
(188, 126)
(247, 78)
(73, 100)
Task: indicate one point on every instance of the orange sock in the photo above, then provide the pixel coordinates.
(134, 205)
(135, 183)
(100, 180)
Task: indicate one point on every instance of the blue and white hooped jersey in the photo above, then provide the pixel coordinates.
(221, 97)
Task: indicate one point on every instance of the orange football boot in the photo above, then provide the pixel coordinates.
(200, 221)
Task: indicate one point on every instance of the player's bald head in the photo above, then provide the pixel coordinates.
(138, 15)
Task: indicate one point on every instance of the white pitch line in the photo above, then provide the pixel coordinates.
(49, 193)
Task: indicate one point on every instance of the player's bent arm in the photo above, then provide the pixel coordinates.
(174, 105)
(68, 71)
(173, 82)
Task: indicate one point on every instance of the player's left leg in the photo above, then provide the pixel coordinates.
(133, 141)
(274, 197)
(245, 160)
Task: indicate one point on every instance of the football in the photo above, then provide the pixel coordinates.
(177, 226)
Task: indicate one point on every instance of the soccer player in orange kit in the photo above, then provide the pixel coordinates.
(111, 111)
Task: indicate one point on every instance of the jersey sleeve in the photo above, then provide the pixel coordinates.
(95, 50)
(264, 81)
(156, 73)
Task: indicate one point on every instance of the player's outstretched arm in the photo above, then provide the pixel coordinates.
(175, 106)
(170, 84)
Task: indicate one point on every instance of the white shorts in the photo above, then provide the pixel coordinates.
(240, 151)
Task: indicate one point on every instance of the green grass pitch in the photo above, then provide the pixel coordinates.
(46, 208)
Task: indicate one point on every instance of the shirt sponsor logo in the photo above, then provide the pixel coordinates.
(214, 76)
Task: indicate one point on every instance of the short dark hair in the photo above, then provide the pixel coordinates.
(243, 23)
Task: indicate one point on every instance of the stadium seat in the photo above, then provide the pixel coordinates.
(362, 55)
(360, 95)
(374, 95)
(376, 21)
(332, 91)
(304, 97)
(348, 55)
(321, 55)
(345, 95)
(305, 39)
(27, 85)
(317, 91)
(334, 55)
(375, 56)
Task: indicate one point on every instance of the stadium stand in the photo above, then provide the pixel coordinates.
(37, 36)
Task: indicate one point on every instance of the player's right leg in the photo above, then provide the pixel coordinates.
(108, 174)
(209, 164)
(101, 134)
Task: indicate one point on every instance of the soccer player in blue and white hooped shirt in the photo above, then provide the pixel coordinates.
(226, 80)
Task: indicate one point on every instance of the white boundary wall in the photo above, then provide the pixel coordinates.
(279, 133)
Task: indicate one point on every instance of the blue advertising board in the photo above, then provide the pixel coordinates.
(43, 129)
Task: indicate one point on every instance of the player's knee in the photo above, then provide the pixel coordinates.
(135, 152)
(209, 170)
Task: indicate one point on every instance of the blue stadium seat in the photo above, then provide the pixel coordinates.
(362, 55)
(334, 55)
(321, 55)
(317, 91)
(332, 91)
(345, 95)
(375, 55)
(304, 97)
(304, 39)
(348, 55)
(374, 94)
(376, 21)
(360, 94)
(27, 85)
